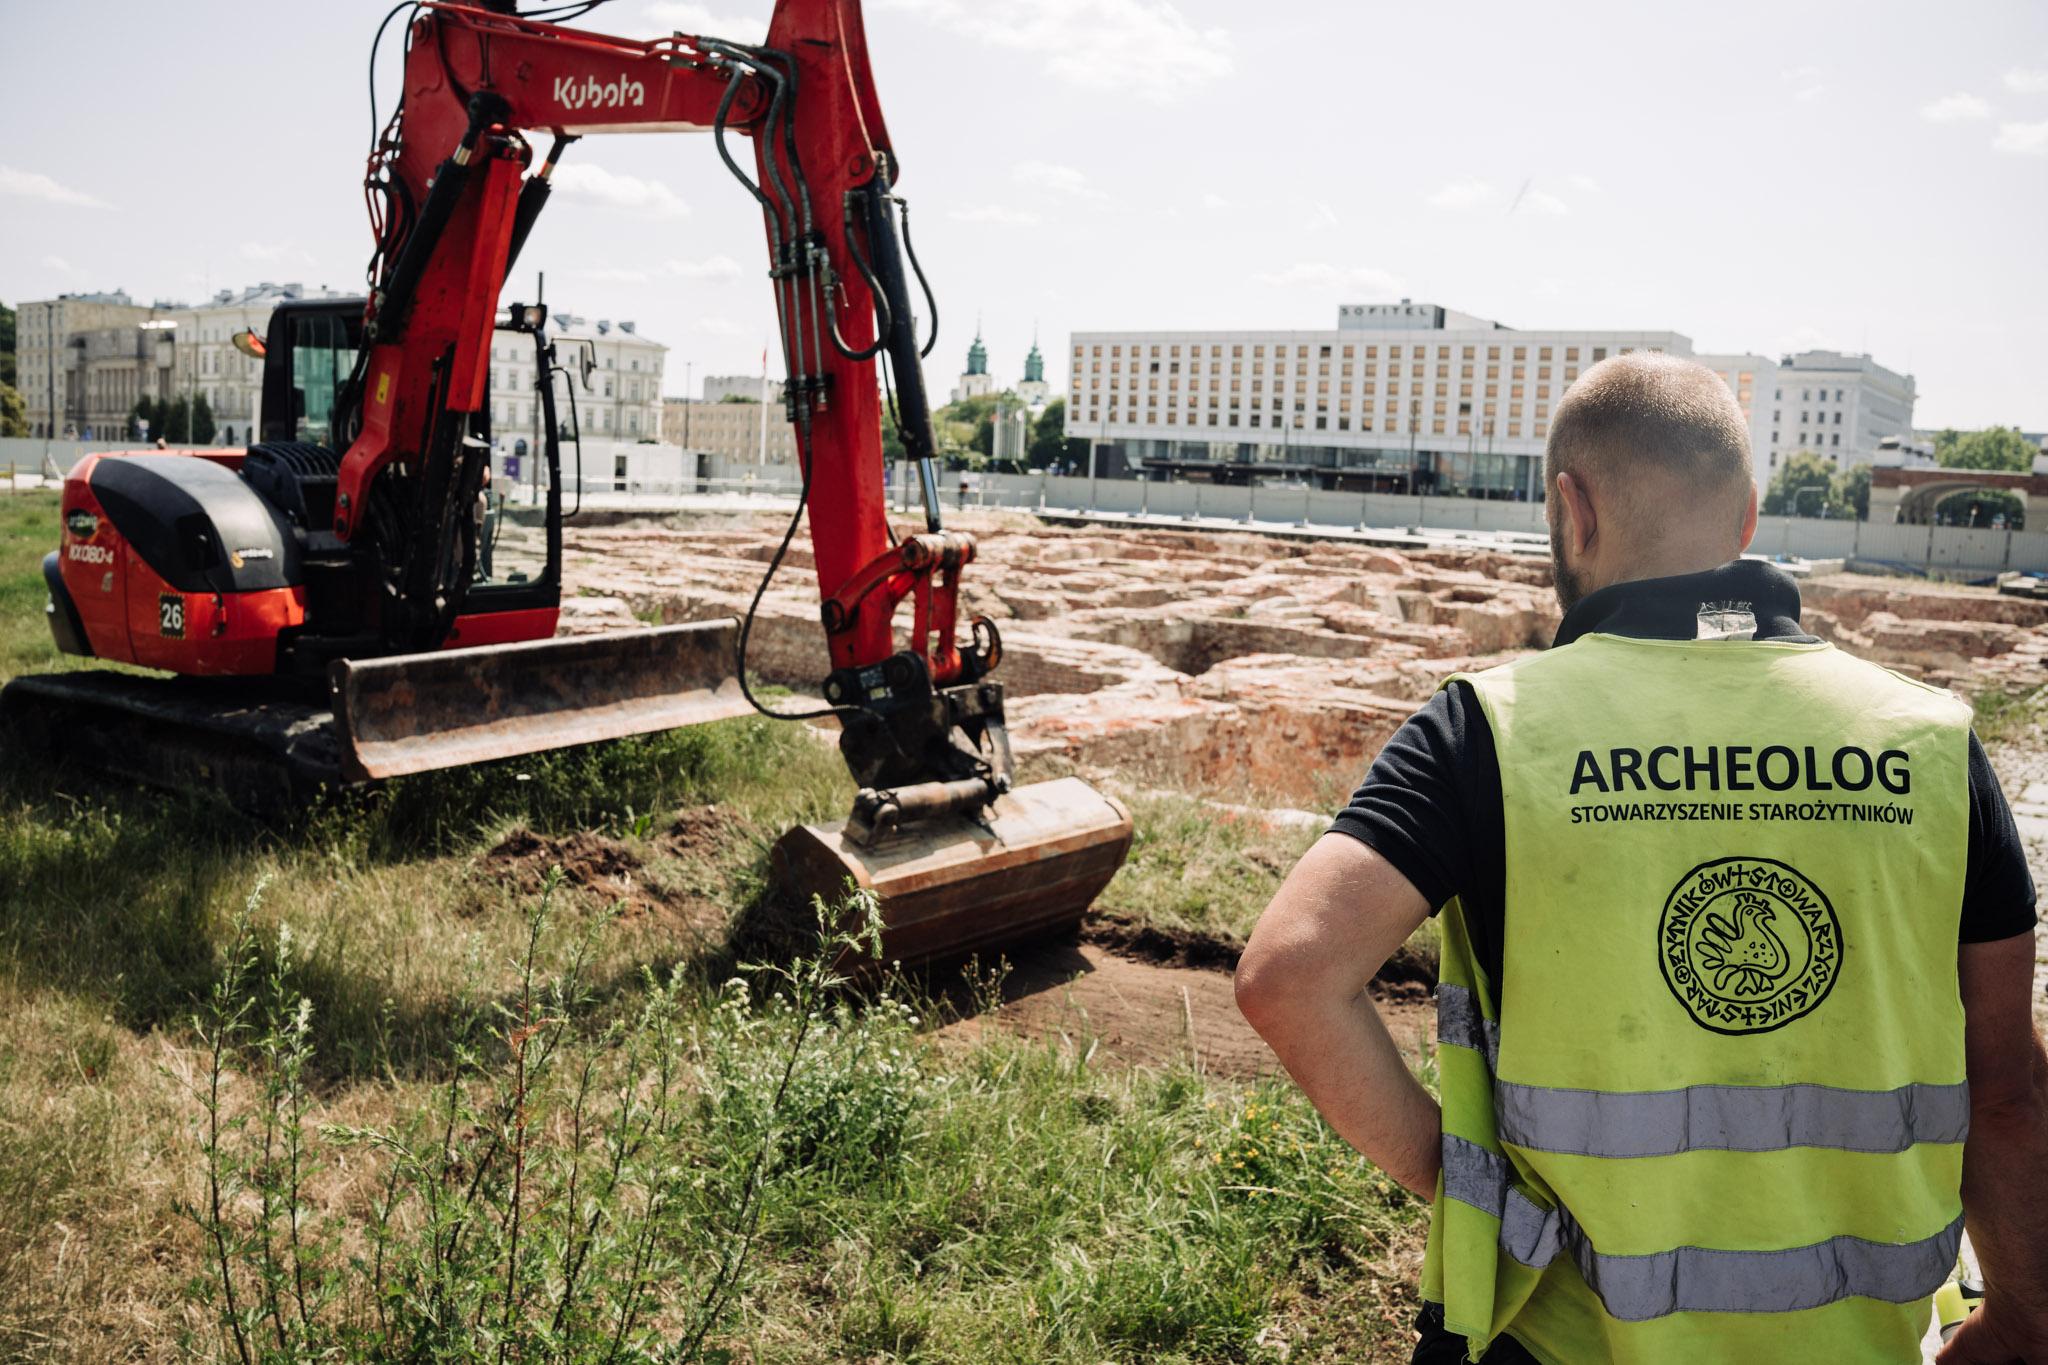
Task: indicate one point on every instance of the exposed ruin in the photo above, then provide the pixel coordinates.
(1256, 667)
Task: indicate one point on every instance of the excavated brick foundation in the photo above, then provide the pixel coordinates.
(1258, 668)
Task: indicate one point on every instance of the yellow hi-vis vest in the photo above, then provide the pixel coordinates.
(1719, 1113)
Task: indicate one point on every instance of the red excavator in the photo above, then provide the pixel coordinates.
(339, 608)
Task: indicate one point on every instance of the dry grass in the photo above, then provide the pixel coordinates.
(1036, 1207)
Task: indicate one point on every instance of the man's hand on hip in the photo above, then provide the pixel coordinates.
(1302, 984)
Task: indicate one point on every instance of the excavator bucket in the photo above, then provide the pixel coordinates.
(1027, 868)
(418, 712)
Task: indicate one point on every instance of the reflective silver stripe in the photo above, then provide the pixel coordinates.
(1707, 1280)
(1697, 1279)
(1764, 1118)
(1460, 1023)
(1473, 1175)
(1528, 1233)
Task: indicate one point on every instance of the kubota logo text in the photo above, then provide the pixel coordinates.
(593, 93)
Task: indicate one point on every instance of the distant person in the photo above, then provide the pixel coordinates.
(1735, 998)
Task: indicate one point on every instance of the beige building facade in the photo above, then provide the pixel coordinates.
(730, 431)
(55, 393)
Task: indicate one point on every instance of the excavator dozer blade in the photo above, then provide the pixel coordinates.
(952, 886)
(418, 712)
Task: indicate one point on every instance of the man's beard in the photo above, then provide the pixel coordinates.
(1569, 585)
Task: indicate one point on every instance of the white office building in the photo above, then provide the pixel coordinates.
(618, 397)
(1396, 397)
(753, 388)
(1752, 379)
(1839, 406)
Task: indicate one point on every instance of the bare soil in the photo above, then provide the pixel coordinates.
(1136, 998)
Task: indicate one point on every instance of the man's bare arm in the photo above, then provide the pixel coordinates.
(1302, 983)
(2005, 1161)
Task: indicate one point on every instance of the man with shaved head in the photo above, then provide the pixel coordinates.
(1734, 1032)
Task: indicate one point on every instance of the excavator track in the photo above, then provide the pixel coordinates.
(268, 745)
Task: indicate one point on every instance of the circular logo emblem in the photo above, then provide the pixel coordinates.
(1748, 944)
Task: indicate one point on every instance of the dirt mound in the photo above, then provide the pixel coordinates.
(641, 881)
(589, 861)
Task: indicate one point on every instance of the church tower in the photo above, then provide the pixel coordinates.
(1035, 392)
(975, 380)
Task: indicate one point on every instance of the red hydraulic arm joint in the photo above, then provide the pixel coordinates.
(925, 568)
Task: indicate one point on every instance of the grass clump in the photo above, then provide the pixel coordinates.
(1196, 868)
(564, 1194)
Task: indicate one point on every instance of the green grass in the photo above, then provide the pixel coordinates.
(1200, 870)
(2004, 717)
(955, 1201)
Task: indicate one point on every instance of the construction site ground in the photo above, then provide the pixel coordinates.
(1101, 1163)
(1257, 676)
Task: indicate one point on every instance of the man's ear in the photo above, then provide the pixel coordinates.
(1748, 521)
(1581, 525)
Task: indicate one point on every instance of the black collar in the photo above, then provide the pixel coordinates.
(1670, 608)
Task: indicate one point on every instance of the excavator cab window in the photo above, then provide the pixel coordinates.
(322, 356)
(308, 355)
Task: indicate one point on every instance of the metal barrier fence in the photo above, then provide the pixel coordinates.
(1950, 550)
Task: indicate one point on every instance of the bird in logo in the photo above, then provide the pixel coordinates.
(1743, 953)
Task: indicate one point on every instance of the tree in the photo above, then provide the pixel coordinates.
(142, 421)
(1804, 487)
(1979, 507)
(13, 412)
(8, 375)
(1992, 448)
(1049, 440)
(963, 431)
(177, 422)
(203, 429)
(1852, 486)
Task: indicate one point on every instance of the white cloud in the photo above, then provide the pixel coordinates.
(993, 213)
(2025, 139)
(1462, 194)
(1955, 108)
(1808, 80)
(1055, 179)
(272, 253)
(1361, 280)
(1541, 201)
(1213, 200)
(1804, 337)
(60, 265)
(35, 185)
(1320, 216)
(2023, 82)
(719, 327)
(702, 22)
(611, 275)
(1585, 184)
(710, 268)
(1147, 47)
(595, 184)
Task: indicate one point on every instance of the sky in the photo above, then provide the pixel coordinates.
(1757, 176)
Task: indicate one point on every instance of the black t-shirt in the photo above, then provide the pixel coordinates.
(1431, 804)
